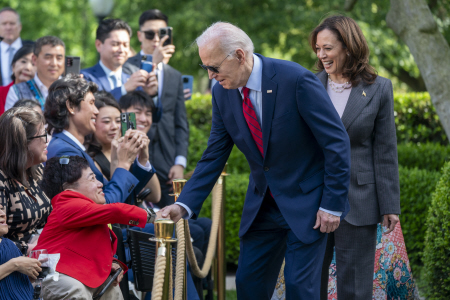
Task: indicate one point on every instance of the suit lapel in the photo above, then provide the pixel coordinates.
(100, 74)
(68, 140)
(166, 78)
(268, 105)
(236, 105)
(359, 97)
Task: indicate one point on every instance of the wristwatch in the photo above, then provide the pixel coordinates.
(151, 215)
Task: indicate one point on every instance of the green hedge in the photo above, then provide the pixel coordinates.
(236, 187)
(428, 156)
(416, 188)
(437, 246)
(416, 119)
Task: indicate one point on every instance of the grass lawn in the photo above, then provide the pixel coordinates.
(230, 295)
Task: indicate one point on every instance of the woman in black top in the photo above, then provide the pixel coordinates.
(99, 145)
(23, 149)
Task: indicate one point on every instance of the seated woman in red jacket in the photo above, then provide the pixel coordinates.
(77, 229)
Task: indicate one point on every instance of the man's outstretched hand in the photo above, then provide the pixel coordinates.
(174, 212)
(327, 222)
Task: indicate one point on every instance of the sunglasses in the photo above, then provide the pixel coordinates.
(150, 34)
(215, 69)
(40, 136)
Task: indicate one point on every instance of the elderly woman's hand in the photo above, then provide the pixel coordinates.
(28, 266)
(114, 267)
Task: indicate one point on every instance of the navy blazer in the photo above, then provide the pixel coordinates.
(123, 183)
(97, 75)
(306, 160)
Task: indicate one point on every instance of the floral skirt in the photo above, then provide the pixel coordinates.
(392, 278)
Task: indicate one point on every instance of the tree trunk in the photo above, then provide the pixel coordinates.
(413, 22)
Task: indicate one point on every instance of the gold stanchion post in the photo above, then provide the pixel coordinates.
(220, 270)
(163, 237)
(178, 185)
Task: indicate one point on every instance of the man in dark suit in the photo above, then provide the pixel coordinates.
(170, 135)
(113, 45)
(280, 116)
(10, 28)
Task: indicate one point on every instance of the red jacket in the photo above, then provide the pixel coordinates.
(77, 229)
(3, 93)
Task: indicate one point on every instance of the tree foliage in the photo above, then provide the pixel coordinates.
(278, 29)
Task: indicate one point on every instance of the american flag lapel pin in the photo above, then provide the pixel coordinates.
(269, 91)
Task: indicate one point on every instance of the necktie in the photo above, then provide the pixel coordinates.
(252, 121)
(114, 80)
(10, 58)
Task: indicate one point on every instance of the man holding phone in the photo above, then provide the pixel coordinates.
(113, 45)
(169, 136)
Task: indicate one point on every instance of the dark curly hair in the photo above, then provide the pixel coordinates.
(71, 88)
(350, 35)
(58, 177)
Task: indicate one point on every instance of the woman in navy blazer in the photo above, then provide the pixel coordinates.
(70, 112)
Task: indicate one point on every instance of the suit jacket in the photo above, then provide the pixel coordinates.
(77, 229)
(123, 183)
(97, 75)
(170, 136)
(306, 160)
(374, 182)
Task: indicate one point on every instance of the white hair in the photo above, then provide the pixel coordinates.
(228, 36)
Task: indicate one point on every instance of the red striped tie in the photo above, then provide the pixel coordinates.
(252, 121)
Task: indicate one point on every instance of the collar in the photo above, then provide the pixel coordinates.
(39, 82)
(255, 79)
(17, 44)
(69, 135)
(108, 72)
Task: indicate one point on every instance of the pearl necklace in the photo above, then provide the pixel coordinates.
(335, 87)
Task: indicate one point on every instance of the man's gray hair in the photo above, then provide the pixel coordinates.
(11, 10)
(229, 36)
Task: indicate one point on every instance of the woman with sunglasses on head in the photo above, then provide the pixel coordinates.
(23, 149)
(22, 69)
(77, 229)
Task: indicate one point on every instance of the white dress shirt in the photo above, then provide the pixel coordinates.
(254, 84)
(4, 48)
(12, 98)
(147, 166)
(179, 159)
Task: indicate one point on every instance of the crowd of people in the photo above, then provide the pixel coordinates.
(321, 148)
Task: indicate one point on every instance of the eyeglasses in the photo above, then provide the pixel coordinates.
(40, 136)
(150, 34)
(215, 69)
(64, 160)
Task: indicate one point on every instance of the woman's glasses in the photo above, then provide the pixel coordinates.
(40, 136)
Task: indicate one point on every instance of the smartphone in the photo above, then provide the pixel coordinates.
(72, 65)
(147, 63)
(166, 31)
(188, 83)
(128, 121)
(104, 287)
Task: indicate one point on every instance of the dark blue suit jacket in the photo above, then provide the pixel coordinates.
(123, 183)
(97, 75)
(306, 160)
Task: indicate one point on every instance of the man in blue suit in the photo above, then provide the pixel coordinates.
(280, 116)
(113, 45)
